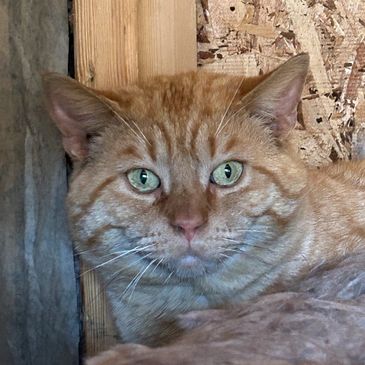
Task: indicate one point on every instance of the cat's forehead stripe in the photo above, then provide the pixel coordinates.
(195, 127)
(167, 138)
(231, 143)
(131, 151)
(152, 149)
(212, 145)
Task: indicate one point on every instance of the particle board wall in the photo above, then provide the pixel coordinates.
(248, 37)
(117, 43)
(39, 319)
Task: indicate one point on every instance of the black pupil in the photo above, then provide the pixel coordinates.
(228, 171)
(143, 176)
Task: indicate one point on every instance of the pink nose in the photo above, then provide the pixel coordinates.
(188, 224)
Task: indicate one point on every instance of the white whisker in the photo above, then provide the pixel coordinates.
(137, 277)
(115, 275)
(219, 128)
(255, 257)
(231, 249)
(131, 282)
(264, 114)
(241, 244)
(120, 118)
(168, 278)
(156, 266)
(249, 230)
(229, 239)
(122, 254)
(78, 253)
(141, 133)
(140, 277)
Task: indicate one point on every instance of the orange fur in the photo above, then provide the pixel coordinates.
(277, 221)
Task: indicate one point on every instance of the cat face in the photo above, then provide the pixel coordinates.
(180, 175)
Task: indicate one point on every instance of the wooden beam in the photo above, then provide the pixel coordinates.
(39, 317)
(118, 43)
(106, 43)
(106, 58)
(166, 37)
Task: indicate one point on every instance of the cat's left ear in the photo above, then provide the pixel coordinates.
(79, 112)
(275, 100)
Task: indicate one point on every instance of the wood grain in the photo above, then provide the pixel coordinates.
(39, 317)
(106, 44)
(166, 37)
(105, 58)
(98, 326)
(118, 43)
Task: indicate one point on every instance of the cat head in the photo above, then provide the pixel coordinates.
(183, 172)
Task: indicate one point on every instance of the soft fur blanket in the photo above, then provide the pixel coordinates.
(319, 321)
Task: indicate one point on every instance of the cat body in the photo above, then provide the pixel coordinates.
(291, 327)
(186, 196)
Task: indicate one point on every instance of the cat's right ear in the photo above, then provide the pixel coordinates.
(276, 98)
(78, 112)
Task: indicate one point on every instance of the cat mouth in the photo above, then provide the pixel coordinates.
(189, 265)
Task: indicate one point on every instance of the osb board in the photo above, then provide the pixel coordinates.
(248, 37)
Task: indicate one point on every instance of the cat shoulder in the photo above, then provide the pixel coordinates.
(352, 172)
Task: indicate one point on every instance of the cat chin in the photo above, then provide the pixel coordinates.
(191, 266)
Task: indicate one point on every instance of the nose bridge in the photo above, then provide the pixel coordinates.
(187, 194)
(186, 206)
(187, 202)
(187, 210)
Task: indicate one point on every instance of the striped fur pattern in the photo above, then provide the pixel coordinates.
(277, 222)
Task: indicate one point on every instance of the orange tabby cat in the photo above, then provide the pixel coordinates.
(185, 195)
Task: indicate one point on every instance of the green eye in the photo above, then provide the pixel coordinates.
(143, 180)
(227, 173)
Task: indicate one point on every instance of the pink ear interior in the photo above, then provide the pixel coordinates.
(74, 136)
(276, 98)
(76, 110)
(286, 107)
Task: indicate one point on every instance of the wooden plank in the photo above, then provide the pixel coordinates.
(118, 43)
(106, 44)
(166, 37)
(105, 58)
(39, 314)
(98, 327)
